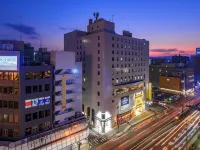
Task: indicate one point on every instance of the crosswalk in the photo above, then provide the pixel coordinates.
(95, 140)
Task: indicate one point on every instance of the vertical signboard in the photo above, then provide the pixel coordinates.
(150, 92)
(64, 92)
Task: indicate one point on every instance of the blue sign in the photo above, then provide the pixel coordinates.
(41, 101)
(124, 100)
(35, 102)
(47, 100)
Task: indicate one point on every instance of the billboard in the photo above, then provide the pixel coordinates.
(28, 103)
(172, 83)
(41, 101)
(64, 96)
(124, 100)
(197, 51)
(47, 100)
(125, 104)
(34, 102)
(8, 63)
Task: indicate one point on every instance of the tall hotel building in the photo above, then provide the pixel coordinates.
(115, 73)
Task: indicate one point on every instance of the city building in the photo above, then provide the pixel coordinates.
(115, 73)
(180, 59)
(171, 77)
(26, 94)
(197, 51)
(40, 102)
(68, 87)
(157, 60)
(197, 70)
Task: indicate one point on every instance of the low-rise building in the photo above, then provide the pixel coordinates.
(172, 78)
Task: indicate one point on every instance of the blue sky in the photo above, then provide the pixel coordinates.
(171, 26)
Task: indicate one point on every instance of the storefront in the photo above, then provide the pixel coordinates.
(130, 106)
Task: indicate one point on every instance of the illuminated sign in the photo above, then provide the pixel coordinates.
(64, 88)
(124, 100)
(197, 51)
(139, 94)
(28, 103)
(47, 100)
(41, 101)
(8, 62)
(34, 102)
(150, 92)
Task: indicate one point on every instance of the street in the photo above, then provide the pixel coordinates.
(162, 131)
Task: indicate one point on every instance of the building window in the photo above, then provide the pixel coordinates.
(16, 105)
(40, 88)
(113, 59)
(35, 89)
(98, 93)
(98, 73)
(5, 118)
(10, 118)
(47, 113)
(113, 38)
(113, 45)
(112, 52)
(98, 83)
(47, 74)
(5, 104)
(98, 44)
(98, 103)
(10, 104)
(28, 117)
(28, 131)
(5, 76)
(5, 132)
(28, 89)
(47, 87)
(98, 37)
(88, 111)
(98, 51)
(98, 58)
(41, 114)
(98, 65)
(16, 119)
(15, 133)
(35, 115)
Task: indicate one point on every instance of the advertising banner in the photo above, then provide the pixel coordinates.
(47, 100)
(41, 101)
(34, 102)
(8, 63)
(28, 103)
(125, 103)
(64, 88)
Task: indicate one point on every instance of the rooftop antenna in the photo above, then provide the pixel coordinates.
(113, 18)
(96, 15)
(40, 42)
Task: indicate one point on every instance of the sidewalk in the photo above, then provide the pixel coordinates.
(124, 127)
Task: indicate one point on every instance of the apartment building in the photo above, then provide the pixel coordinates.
(115, 72)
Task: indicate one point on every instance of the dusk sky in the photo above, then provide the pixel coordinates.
(171, 26)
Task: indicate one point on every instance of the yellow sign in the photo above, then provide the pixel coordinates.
(139, 94)
(64, 88)
(150, 92)
(172, 83)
